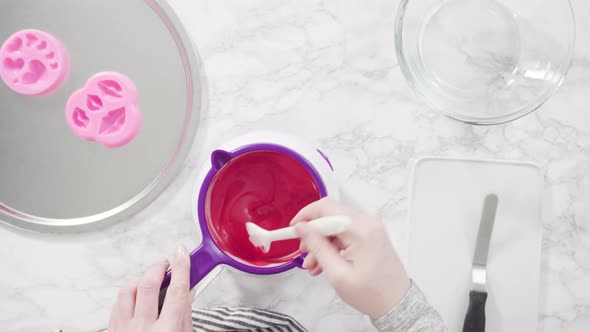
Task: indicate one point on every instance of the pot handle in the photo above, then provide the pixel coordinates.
(203, 260)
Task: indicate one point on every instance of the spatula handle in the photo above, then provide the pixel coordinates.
(475, 319)
(327, 226)
(331, 225)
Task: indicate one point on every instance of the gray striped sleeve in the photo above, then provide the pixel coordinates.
(413, 314)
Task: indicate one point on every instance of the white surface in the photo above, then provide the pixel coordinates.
(446, 206)
(325, 71)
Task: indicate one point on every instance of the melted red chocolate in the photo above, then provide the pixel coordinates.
(265, 187)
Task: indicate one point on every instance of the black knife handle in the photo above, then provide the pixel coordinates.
(475, 319)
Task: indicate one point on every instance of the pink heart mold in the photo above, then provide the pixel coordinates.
(33, 62)
(105, 110)
(15, 65)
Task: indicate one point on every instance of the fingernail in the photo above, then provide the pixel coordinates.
(299, 229)
(181, 251)
(132, 284)
(305, 264)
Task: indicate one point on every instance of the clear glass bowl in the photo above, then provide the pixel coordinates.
(485, 61)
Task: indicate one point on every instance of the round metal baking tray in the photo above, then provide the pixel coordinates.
(51, 180)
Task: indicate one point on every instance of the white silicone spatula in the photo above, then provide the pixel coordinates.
(327, 226)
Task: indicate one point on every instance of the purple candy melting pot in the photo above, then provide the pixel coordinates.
(208, 255)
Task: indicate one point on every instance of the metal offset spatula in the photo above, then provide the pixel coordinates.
(475, 319)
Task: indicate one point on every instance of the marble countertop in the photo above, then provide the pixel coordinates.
(297, 66)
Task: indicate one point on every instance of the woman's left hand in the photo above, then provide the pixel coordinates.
(136, 308)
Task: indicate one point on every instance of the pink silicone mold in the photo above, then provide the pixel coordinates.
(33, 62)
(105, 110)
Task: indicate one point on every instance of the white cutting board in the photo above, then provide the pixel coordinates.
(446, 202)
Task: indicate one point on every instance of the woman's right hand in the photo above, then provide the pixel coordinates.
(361, 263)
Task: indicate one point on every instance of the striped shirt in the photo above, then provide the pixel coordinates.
(243, 319)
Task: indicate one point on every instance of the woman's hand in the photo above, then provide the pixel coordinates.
(136, 308)
(361, 264)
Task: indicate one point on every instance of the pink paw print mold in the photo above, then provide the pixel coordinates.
(105, 110)
(33, 62)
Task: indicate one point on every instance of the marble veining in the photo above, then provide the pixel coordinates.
(324, 70)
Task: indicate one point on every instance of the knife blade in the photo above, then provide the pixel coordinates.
(475, 318)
